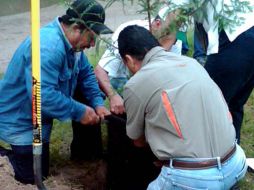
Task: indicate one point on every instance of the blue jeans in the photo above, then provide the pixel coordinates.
(200, 41)
(118, 84)
(216, 178)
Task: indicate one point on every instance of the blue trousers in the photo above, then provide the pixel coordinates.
(221, 177)
(200, 43)
(233, 71)
(21, 158)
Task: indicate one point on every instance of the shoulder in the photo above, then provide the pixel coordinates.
(52, 37)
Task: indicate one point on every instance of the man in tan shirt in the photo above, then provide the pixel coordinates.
(174, 106)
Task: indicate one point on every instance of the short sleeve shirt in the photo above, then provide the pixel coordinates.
(179, 108)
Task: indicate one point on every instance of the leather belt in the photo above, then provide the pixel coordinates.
(196, 164)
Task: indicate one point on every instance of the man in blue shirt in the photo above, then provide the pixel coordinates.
(64, 68)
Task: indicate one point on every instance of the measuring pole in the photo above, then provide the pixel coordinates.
(36, 93)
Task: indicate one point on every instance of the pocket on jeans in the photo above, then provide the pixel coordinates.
(241, 173)
(179, 186)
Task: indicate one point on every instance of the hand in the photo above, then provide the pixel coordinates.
(89, 117)
(140, 142)
(102, 111)
(116, 104)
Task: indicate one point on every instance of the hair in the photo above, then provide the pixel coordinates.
(136, 41)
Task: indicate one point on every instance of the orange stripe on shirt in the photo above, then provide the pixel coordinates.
(170, 113)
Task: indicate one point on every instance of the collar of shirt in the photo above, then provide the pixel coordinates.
(150, 54)
(68, 46)
(66, 41)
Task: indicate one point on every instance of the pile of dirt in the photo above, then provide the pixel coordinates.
(74, 175)
(7, 177)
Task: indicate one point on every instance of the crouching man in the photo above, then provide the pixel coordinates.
(173, 105)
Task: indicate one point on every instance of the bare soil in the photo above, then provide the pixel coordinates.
(74, 175)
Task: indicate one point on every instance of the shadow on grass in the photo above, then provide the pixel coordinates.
(247, 140)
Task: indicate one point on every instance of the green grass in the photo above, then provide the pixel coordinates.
(247, 140)
(60, 140)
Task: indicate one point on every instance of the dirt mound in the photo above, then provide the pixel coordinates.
(7, 177)
(74, 175)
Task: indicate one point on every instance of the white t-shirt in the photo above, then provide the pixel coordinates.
(111, 60)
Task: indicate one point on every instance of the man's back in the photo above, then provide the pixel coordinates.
(185, 113)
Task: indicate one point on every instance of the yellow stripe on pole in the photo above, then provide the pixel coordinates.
(35, 19)
(35, 25)
(36, 96)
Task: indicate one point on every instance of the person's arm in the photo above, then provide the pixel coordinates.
(55, 104)
(115, 100)
(104, 81)
(88, 84)
(140, 142)
(90, 117)
(90, 88)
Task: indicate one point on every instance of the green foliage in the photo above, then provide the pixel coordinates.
(151, 6)
(228, 17)
(225, 14)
